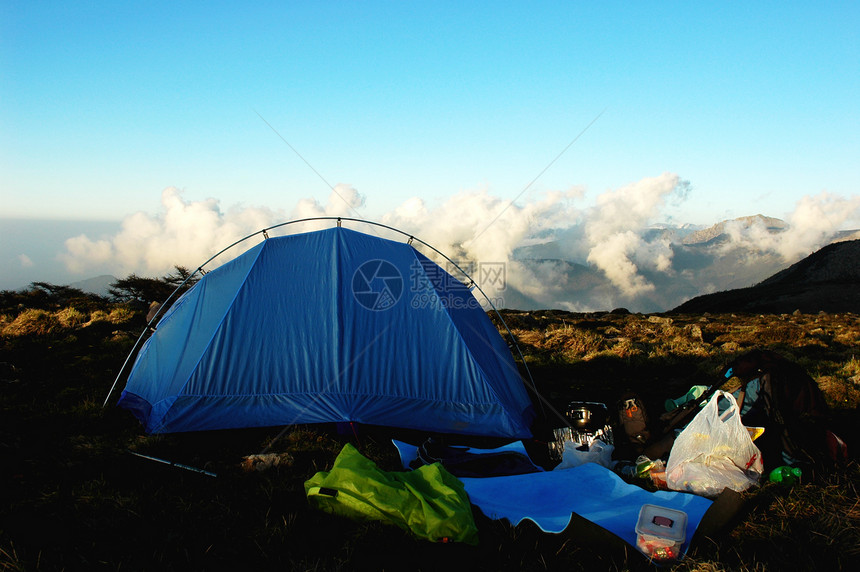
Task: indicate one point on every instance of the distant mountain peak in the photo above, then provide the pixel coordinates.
(716, 231)
(99, 285)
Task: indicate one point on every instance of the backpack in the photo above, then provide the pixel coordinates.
(792, 409)
(634, 420)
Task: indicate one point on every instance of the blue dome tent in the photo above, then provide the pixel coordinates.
(327, 326)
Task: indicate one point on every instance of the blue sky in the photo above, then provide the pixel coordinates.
(105, 105)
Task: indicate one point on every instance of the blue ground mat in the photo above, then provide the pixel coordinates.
(590, 490)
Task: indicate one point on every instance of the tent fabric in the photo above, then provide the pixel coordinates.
(429, 501)
(550, 498)
(333, 325)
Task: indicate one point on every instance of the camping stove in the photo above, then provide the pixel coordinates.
(588, 421)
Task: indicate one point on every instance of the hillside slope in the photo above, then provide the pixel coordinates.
(825, 281)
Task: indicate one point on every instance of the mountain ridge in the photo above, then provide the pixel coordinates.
(827, 280)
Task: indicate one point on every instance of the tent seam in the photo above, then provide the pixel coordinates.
(465, 344)
(355, 393)
(220, 323)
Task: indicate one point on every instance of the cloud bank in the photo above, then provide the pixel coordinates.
(187, 233)
(613, 239)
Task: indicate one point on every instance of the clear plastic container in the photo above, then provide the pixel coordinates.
(660, 532)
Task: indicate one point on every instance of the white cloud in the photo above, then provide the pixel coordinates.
(25, 261)
(183, 233)
(343, 201)
(614, 255)
(477, 227)
(474, 227)
(614, 229)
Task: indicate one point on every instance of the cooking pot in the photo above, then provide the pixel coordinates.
(587, 416)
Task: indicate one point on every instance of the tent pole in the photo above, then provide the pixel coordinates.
(125, 363)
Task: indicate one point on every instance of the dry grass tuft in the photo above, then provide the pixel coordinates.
(9, 559)
(840, 391)
(121, 314)
(33, 322)
(71, 317)
(567, 343)
(41, 322)
(851, 370)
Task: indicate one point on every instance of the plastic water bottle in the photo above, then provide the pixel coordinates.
(641, 469)
(624, 468)
(785, 475)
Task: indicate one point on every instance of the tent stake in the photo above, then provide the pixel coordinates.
(172, 464)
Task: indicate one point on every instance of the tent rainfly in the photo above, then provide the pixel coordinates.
(332, 325)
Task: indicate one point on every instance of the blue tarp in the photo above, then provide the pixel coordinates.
(549, 498)
(333, 325)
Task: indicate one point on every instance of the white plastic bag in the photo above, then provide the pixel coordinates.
(714, 452)
(576, 454)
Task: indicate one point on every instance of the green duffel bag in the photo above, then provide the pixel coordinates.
(428, 501)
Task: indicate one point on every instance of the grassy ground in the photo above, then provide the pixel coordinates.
(73, 497)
